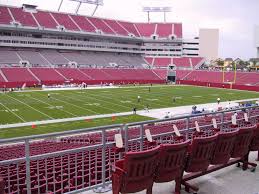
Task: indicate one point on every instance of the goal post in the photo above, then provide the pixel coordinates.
(234, 78)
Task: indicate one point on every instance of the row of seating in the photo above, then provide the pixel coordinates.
(46, 58)
(197, 156)
(182, 62)
(242, 78)
(75, 141)
(82, 169)
(72, 22)
(16, 77)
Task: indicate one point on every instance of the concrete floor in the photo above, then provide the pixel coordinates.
(230, 180)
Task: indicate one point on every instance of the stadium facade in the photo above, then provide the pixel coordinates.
(33, 32)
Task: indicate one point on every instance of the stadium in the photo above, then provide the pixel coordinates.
(93, 104)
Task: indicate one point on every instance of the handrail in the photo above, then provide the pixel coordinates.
(102, 144)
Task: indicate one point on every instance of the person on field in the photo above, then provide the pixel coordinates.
(134, 110)
(147, 108)
(174, 99)
(138, 99)
(48, 96)
(218, 100)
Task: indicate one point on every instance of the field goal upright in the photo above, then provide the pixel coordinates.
(229, 81)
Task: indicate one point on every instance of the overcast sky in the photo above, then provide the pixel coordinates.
(234, 18)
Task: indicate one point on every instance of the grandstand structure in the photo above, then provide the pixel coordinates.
(70, 46)
(46, 48)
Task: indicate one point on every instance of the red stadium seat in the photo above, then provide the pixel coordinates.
(2, 183)
(171, 163)
(242, 142)
(199, 156)
(224, 146)
(136, 172)
(254, 146)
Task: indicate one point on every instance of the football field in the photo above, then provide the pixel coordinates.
(19, 107)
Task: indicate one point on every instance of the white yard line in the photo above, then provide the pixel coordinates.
(85, 101)
(132, 97)
(98, 99)
(75, 105)
(30, 107)
(13, 112)
(52, 105)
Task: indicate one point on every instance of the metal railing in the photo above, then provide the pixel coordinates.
(79, 160)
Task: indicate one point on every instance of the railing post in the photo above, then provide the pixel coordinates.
(187, 126)
(103, 155)
(222, 121)
(126, 138)
(187, 123)
(121, 132)
(248, 112)
(141, 137)
(28, 170)
(104, 188)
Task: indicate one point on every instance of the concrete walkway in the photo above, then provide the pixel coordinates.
(186, 110)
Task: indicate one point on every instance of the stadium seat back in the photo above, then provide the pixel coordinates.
(224, 146)
(200, 153)
(139, 171)
(255, 140)
(171, 161)
(243, 141)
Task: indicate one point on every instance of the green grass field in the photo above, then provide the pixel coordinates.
(65, 126)
(22, 107)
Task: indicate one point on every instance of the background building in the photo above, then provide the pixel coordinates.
(256, 40)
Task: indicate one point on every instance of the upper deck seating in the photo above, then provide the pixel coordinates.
(64, 20)
(146, 30)
(25, 18)
(178, 30)
(83, 23)
(99, 24)
(116, 27)
(52, 20)
(130, 28)
(45, 19)
(5, 17)
(164, 30)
